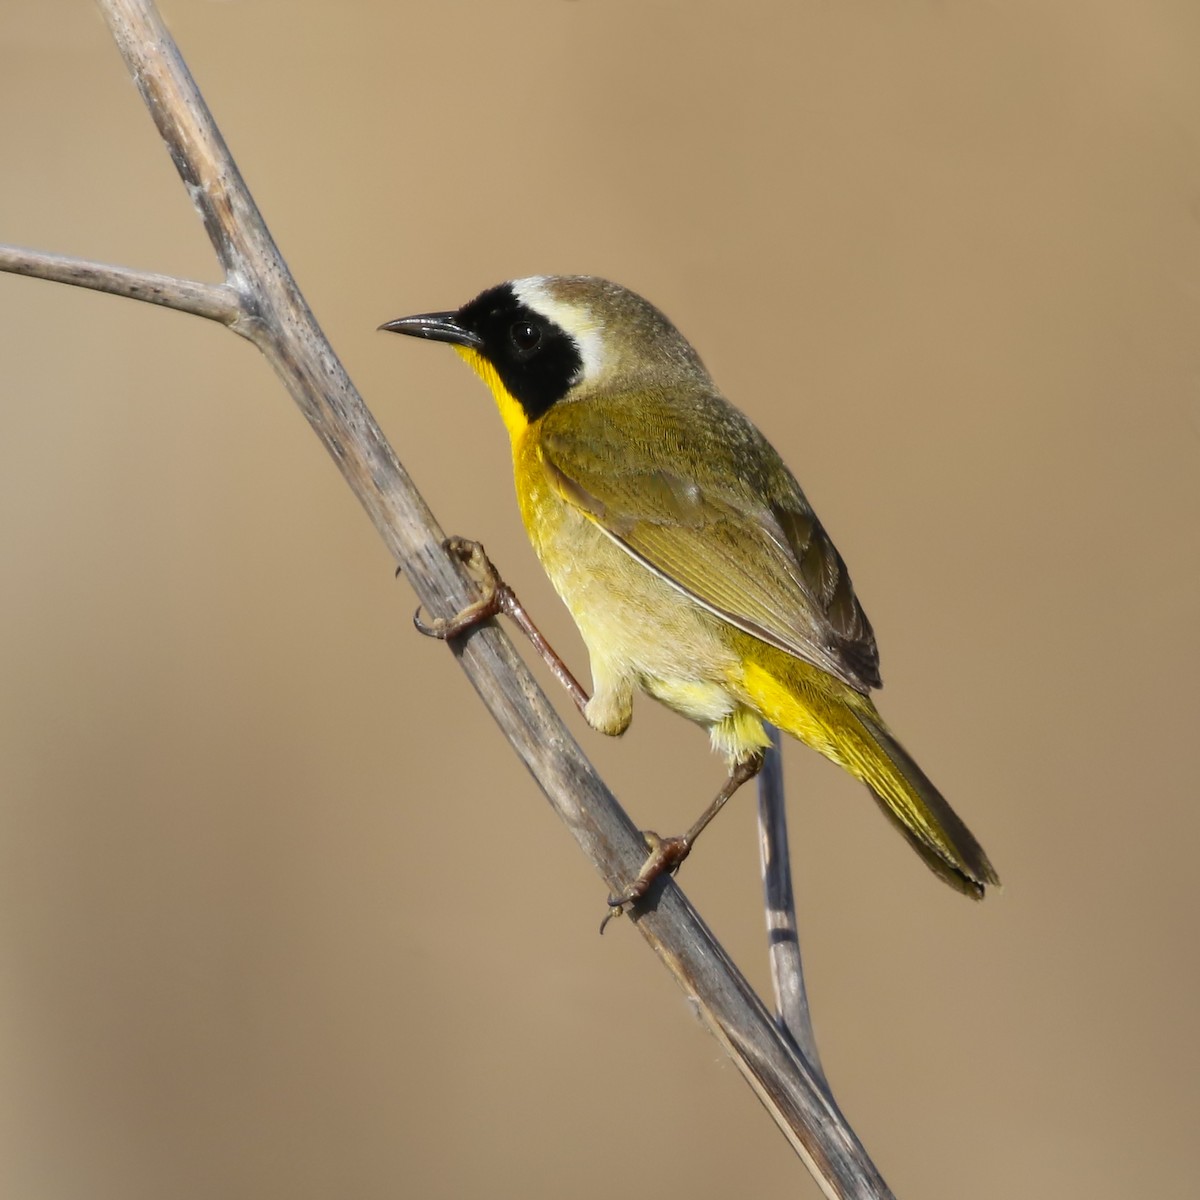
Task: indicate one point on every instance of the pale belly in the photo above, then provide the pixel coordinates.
(640, 631)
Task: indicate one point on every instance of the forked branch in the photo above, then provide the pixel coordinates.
(260, 300)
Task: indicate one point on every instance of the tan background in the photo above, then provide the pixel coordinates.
(281, 916)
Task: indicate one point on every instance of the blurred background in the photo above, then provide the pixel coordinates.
(280, 913)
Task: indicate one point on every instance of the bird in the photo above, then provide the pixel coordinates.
(685, 551)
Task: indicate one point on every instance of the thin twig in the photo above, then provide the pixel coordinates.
(275, 316)
(783, 937)
(216, 301)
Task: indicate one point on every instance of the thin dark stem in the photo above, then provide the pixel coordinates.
(274, 315)
(783, 938)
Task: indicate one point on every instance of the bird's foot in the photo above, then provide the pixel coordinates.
(664, 858)
(497, 596)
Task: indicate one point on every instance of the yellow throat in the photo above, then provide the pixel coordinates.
(511, 412)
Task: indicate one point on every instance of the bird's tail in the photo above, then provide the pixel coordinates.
(845, 727)
(934, 830)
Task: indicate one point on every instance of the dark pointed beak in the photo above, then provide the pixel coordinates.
(437, 327)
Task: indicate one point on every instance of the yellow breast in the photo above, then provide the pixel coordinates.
(637, 627)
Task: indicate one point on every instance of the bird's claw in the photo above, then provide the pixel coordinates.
(664, 858)
(474, 558)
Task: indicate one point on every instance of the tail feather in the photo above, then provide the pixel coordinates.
(921, 813)
(843, 725)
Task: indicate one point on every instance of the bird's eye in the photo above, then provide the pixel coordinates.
(526, 337)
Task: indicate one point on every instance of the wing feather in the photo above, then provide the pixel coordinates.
(687, 485)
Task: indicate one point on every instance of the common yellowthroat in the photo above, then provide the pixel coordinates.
(685, 551)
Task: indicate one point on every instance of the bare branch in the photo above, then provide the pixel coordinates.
(783, 937)
(215, 301)
(273, 314)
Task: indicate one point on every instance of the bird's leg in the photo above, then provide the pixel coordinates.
(497, 598)
(667, 853)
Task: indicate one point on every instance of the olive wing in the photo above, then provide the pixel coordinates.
(688, 486)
